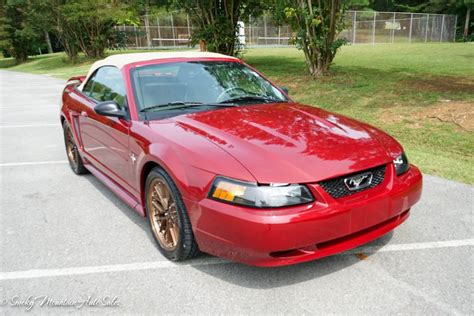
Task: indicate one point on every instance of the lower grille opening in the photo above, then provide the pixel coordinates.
(327, 244)
(286, 253)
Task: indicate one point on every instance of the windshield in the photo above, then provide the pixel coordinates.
(200, 84)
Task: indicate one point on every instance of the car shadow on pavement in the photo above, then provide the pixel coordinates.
(110, 195)
(267, 278)
(133, 216)
(250, 276)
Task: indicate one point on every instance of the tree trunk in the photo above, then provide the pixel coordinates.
(318, 61)
(202, 46)
(48, 42)
(147, 29)
(21, 57)
(319, 69)
(318, 22)
(466, 23)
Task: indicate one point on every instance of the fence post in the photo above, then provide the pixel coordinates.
(373, 29)
(159, 31)
(354, 26)
(426, 33)
(442, 30)
(411, 28)
(172, 29)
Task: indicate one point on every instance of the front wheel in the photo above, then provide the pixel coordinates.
(168, 218)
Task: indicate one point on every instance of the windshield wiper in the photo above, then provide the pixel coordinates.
(174, 104)
(251, 98)
(181, 104)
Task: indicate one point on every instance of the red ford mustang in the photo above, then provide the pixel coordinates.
(222, 161)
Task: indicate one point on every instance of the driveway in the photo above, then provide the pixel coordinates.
(67, 239)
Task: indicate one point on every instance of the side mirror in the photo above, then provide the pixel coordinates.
(285, 89)
(110, 108)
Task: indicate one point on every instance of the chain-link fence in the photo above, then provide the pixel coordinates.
(395, 27)
(362, 27)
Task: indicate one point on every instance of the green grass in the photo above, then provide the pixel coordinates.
(392, 86)
(376, 83)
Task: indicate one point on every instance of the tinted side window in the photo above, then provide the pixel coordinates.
(106, 85)
(87, 88)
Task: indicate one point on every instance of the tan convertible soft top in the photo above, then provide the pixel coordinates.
(120, 60)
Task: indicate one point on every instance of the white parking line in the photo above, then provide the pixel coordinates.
(103, 269)
(20, 107)
(32, 163)
(414, 246)
(41, 273)
(30, 125)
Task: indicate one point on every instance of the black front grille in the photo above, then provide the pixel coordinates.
(337, 188)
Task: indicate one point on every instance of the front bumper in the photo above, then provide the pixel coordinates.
(307, 232)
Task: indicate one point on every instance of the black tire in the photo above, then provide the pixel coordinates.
(73, 156)
(186, 246)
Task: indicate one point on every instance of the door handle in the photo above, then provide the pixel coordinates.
(84, 114)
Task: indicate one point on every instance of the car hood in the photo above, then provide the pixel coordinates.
(290, 142)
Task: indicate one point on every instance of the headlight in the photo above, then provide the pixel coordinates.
(401, 164)
(262, 196)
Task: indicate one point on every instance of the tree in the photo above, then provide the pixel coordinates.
(81, 25)
(89, 24)
(316, 24)
(41, 22)
(361, 5)
(216, 21)
(18, 37)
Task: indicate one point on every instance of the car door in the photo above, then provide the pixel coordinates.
(105, 140)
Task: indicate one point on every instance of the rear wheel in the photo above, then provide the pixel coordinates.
(75, 161)
(168, 218)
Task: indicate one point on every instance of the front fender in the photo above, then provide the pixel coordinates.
(191, 160)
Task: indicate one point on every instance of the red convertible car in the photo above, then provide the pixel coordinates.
(222, 161)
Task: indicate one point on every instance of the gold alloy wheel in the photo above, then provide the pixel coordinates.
(71, 147)
(163, 214)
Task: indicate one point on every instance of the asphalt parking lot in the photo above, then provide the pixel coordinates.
(68, 237)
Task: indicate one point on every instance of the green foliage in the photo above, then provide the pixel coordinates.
(18, 37)
(216, 21)
(358, 5)
(80, 25)
(316, 25)
(89, 24)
